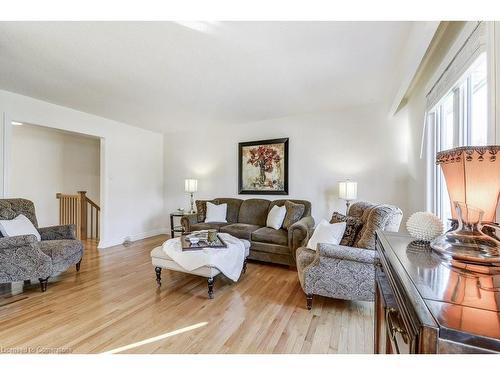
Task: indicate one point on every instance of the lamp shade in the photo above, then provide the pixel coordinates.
(472, 176)
(348, 190)
(191, 185)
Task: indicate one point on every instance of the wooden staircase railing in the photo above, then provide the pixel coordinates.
(80, 210)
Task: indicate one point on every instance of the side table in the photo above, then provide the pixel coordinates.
(176, 228)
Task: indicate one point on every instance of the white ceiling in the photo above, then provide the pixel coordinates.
(166, 76)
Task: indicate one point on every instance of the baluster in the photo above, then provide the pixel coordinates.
(91, 221)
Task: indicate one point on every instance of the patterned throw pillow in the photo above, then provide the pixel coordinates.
(353, 226)
(201, 209)
(294, 212)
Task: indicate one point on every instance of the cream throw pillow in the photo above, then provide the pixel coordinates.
(216, 213)
(18, 226)
(327, 233)
(275, 217)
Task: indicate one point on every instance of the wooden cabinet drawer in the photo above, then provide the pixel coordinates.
(401, 327)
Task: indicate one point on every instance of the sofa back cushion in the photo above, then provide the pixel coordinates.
(281, 202)
(233, 208)
(254, 211)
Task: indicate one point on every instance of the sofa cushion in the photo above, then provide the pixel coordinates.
(205, 226)
(294, 212)
(240, 230)
(270, 235)
(271, 248)
(353, 226)
(233, 208)
(254, 211)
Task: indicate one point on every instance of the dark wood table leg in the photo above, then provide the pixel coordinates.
(210, 287)
(172, 226)
(158, 275)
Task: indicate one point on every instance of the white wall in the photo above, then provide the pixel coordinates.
(47, 161)
(131, 188)
(361, 144)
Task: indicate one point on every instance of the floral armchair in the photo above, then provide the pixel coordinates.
(347, 272)
(24, 258)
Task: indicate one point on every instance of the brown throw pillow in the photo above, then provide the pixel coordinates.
(353, 226)
(201, 209)
(294, 212)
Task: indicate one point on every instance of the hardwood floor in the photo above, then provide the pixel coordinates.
(113, 305)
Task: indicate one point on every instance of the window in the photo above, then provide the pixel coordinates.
(460, 118)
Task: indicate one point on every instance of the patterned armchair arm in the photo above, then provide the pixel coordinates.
(7, 243)
(21, 259)
(353, 254)
(187, 220)
(58, 232)
(299, 232)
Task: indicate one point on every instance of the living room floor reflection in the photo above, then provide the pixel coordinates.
(113, 305)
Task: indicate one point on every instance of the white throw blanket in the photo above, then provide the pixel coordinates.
(228, 260)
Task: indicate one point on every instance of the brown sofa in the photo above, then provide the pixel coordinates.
(246, 219)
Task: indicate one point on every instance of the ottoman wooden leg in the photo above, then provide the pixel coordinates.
(158, 275)
(210, 287)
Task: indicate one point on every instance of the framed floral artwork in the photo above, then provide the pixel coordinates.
(263, 167)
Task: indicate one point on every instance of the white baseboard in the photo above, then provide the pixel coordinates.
(103, 243)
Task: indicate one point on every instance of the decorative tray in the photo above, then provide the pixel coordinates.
(203, 242)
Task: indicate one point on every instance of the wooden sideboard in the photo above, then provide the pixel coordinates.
(423, 305)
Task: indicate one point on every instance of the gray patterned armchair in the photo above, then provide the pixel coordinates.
(24, 258)
(347, 272)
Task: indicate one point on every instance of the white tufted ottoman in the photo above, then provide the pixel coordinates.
(161, 261)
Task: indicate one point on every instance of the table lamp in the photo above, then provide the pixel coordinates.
(191, 186)
(348, 190)
(472, 175)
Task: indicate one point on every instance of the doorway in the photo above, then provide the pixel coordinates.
(60, 172)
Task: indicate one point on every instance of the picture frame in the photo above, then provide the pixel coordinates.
(263, 167)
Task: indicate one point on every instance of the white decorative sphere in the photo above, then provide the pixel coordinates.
(424, 226)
